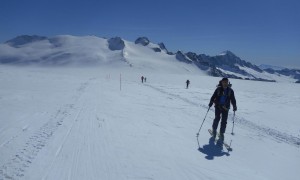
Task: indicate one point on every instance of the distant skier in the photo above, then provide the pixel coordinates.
(222, 97)
(187, 83)
(142, 78)
(145, 79)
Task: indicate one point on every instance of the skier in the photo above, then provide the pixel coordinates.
(187, 83)
(222, 97)
(142, 78)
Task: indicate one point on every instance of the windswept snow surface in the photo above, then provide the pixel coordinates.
(103, 123)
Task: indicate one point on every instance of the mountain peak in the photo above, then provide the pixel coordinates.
(227, 53)
(142, 40)
(162, 46)
(116, 43)
(24, 39)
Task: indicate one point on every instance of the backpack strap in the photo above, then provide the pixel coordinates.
(229, 92)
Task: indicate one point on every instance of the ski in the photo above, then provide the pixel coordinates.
(227, 146)
(220, 142)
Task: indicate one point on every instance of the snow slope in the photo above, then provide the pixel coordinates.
(103, 123)
(144, 59)
(66, 50)
(62, 50)
(78, 51)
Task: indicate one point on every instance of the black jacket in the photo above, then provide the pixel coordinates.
(230, 97)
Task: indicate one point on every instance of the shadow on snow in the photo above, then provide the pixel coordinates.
(212, 150)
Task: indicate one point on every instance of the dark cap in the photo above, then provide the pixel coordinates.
(224, 79)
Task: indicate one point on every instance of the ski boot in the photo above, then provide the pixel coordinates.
(214, 133)
(221, 137)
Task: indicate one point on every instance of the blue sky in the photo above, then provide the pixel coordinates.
(258, 31)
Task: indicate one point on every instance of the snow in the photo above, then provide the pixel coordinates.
(233, 73)
(81, 112)
(145, 59)
(265, 75)
(103, 123)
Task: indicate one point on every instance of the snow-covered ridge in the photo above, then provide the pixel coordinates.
(67, 50)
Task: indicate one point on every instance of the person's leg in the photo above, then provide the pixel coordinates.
(224, 121)
(217, 118)
(223, 124)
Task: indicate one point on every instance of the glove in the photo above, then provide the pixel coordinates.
(234, 108)
(210, 104)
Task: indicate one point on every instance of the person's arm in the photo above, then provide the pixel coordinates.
(212, 99)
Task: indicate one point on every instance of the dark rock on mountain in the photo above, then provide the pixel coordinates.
(142, 40)
(202, 61)
(230, 59)
(24, 39)
(162, 47)
(269, 70)
(116, 44)
(157, 49)
(182, 57)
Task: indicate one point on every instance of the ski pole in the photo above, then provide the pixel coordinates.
(203, 122)
(233, 123)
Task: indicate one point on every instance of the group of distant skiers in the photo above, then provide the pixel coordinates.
(143, 79)
(222, 97)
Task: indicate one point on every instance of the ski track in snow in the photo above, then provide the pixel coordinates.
(13, 137)
(15, 168)
(61, 146)
(275, 134)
